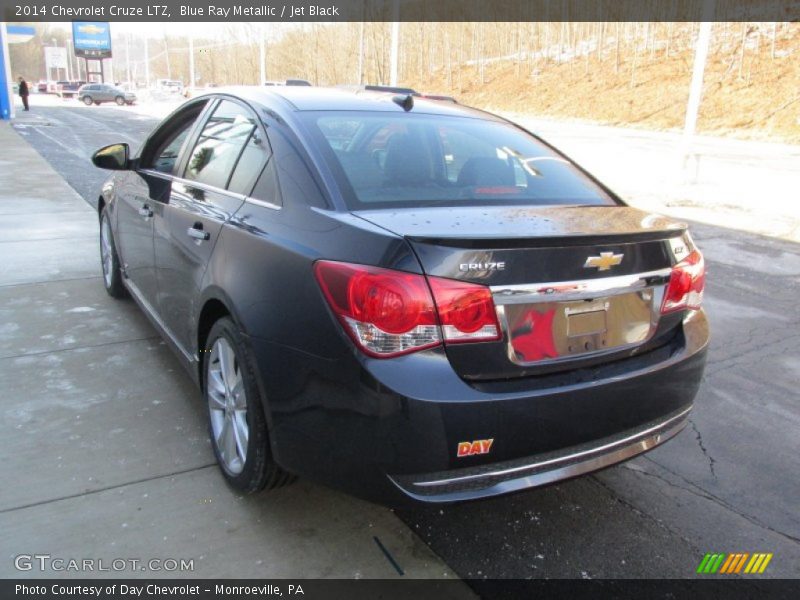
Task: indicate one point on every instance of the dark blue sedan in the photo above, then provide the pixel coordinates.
(405, 298)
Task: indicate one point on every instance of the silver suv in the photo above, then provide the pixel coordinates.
(95, 93)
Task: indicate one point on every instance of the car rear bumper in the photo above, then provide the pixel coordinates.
(388, 430)
(511, 476)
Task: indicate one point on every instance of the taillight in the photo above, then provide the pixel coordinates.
(686, 283)
(389, 313)
(466, 311)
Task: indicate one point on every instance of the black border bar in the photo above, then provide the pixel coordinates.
(731, 588)
(297, 11)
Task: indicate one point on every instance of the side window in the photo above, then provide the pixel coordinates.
(219, 145)
(251, 162)
(289, 171)
(168, 154)
(266, 188)
(161, 153)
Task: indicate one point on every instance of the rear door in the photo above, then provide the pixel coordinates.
(227, 156)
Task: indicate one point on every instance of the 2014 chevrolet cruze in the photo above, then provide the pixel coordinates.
(406, 299)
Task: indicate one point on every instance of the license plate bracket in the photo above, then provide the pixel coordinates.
(586, 322)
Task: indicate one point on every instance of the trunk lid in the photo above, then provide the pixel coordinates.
(573, 286)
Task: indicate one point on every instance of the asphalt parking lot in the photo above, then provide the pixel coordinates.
(106, 445)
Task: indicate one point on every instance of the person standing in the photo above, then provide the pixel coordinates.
(24, 92)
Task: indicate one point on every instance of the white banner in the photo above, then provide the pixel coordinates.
(55, 57)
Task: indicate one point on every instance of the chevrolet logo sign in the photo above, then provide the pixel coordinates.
(604, 262)
(91, 29)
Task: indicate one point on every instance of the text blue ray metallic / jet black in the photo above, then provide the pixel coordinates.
(406, 299)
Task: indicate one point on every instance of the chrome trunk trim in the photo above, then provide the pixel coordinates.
(584, 289)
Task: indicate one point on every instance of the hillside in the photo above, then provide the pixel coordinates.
(752, 94)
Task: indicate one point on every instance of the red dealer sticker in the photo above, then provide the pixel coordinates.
(476, 447)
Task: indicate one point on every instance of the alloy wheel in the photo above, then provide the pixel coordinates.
(106, 251)
(227, 405)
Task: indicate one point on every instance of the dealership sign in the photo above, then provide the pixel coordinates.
(91, 39)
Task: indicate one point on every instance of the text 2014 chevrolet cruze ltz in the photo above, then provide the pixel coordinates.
(407, 299)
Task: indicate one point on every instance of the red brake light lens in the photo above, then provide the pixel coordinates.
(686, 283)
(466, 311)
(387, 313)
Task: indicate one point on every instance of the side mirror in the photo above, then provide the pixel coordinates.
(114, 157)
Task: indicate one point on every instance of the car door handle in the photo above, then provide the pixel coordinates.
(197, 233)
(145, 211)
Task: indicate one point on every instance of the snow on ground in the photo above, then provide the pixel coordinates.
(746, 185)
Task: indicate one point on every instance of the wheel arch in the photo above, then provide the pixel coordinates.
(214, 305)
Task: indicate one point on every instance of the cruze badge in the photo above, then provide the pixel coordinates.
(604, 262)
(476, 447)
(482, 266)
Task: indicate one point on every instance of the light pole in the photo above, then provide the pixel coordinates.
(76, 71)
(146, 63)
(262, 53)
(395, 43)
(191, 62)
(696, 87)
(55, 68)
(128, 56)
(361, 51)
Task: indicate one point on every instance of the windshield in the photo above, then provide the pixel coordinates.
(414, 160)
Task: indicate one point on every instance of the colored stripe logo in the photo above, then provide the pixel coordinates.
(735, 563)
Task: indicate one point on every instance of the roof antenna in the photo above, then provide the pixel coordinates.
(406, 102)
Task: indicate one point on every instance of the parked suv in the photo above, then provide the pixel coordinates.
(408, 299)
(97, 93)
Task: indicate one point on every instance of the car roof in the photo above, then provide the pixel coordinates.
(304, 98)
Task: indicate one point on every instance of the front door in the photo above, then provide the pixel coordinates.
(134, 235)
(141, 200)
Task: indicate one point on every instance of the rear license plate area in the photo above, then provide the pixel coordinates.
(549, 331)
(586, 328)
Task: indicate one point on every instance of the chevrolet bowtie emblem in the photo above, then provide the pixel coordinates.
(604, 262)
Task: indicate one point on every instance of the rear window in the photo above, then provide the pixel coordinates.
(391, 160)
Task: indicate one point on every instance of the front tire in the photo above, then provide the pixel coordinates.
(120, 101)
(87, 100)
(112, 274)
(237, 425)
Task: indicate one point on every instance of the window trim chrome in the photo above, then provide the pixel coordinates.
(264, 203)
(189, 183)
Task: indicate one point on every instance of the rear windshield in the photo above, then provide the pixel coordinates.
(385, 160)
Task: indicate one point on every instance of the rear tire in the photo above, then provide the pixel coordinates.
(236, 422)
(87, 100)
(120, 101)
(112, 274)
